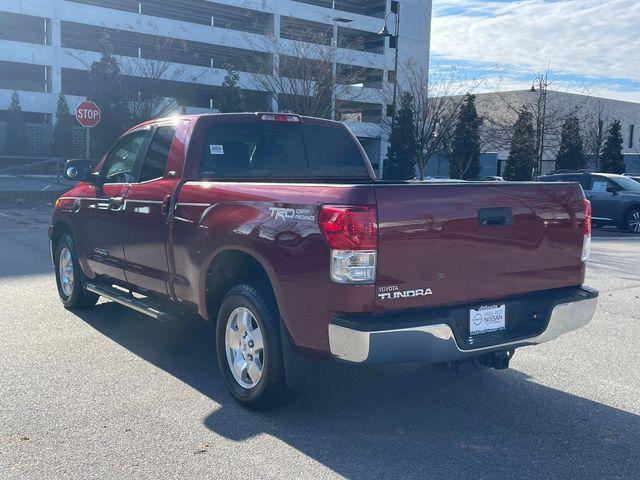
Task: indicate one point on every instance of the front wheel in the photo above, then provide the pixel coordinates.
(633, 221)
(69, 278)
(248, 349)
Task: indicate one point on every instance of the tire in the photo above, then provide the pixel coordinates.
(632, 221)
(69, 277)
(249, 350)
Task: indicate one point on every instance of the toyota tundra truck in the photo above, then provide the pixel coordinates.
(274, 228)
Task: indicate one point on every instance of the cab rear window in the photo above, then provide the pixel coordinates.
(269, 150)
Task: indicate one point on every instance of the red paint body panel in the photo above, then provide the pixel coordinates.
(430, 237)
(171, 229)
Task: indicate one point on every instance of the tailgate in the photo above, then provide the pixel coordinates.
(444, 244)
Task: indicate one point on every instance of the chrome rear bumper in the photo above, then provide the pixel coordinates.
(436, 342)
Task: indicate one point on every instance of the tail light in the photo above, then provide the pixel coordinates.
(352, 235)
(586, 242)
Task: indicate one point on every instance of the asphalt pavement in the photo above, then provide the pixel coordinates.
(33, 183)
(109, 393)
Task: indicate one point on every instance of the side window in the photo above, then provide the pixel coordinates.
(119, 166)
(158, 154)
(599, 184)
(583, 180)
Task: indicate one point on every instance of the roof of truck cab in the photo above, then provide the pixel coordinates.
(244, 116)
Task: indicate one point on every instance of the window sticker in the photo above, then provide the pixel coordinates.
(216, 149)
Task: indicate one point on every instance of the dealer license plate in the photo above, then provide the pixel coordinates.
(488, 318)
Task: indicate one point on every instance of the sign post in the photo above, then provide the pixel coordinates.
(87, 115)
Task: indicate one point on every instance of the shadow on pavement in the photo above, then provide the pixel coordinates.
(409, 421)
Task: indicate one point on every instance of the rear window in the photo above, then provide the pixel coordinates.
(268, 150)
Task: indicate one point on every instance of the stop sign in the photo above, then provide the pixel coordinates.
(88, 114)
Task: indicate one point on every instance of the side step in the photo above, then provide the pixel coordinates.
(142, 305)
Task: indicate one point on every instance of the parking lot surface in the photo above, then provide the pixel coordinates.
(109, 393)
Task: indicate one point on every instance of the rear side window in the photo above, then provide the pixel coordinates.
(600, 184)
(158, 154)
(268, 150)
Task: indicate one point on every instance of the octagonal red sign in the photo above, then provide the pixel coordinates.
(88, 114)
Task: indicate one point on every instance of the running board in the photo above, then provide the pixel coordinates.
(141, 305)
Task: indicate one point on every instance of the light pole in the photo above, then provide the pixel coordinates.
(541, 120)
(385, 33)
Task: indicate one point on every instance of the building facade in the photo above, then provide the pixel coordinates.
(595, 115)
(499, 112)
(47, 46)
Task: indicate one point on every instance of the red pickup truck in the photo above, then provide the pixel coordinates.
(274, 228)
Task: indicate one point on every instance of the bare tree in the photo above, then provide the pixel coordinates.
(436, 102)
(549, 114)
(301, 74)
(155, 80)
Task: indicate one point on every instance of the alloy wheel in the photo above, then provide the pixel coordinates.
(244, 347)
(634, 221)
(65, 271)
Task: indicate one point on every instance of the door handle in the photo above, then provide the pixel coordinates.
(116, 203)
(589, 197)
(493, 217)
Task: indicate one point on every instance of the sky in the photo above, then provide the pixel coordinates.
(588, 45)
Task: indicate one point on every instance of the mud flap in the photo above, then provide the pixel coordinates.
(297, 368)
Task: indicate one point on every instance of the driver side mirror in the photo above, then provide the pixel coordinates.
(613, 190)
(79, 171)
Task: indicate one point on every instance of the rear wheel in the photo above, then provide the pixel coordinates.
(69, 278)
(633, 221)
(248, 349)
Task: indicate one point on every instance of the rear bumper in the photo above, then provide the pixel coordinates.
(370, 340)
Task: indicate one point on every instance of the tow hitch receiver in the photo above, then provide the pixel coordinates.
(498, 360)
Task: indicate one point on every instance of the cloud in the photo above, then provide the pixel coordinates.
(586, 41)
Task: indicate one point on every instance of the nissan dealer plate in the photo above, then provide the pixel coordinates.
(488, 318)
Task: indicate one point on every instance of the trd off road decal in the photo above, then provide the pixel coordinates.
(298, 213)
(392, 292)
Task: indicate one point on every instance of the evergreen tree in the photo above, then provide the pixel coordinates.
(464, 161)
(231, 98)
(403, 146)
(16, 129)
(62, 133)
(107, 91)
(570, 155)
(612, 160)
(523, 149)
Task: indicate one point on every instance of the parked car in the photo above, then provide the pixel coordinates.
(615, 199)
(274, 228)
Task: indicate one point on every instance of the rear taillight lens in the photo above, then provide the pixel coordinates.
(586, 242)
(352, 235)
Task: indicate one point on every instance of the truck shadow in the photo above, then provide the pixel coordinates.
(410, 421)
